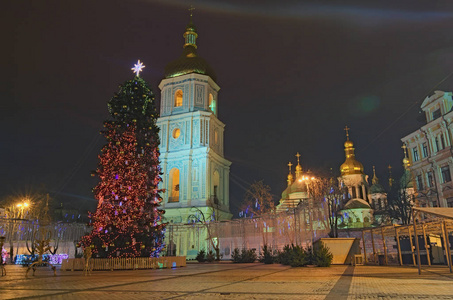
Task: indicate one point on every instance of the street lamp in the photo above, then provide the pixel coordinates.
(22, 206)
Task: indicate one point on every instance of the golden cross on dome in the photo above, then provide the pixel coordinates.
(347, 131)
(404, 147)
(289, 165)
(298, 156)
(191, 9)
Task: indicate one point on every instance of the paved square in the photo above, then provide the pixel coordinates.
(233, 281)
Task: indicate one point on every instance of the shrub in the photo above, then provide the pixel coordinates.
(294, 256)
(245, 256)
(298, 257)
(322, 256)
(310, 256)
(268, 256)
(284, 257)
(201, 256)
(248, 256)
(236, 256)
(210, 256)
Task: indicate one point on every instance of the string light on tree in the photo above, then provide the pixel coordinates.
(138, 67)
(127, 222)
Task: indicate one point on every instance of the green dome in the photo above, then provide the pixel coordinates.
(377, 188)
(189, 62)
(357, 203)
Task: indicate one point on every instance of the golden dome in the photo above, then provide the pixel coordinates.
(405, 161)
(290, 177)
(348, 144)
(189, 61)
(351, 165)
(298, 168)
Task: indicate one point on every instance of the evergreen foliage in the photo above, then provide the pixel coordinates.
(201, 256)
(210, 256)
(268, 256)
(245, 256)
(310, 256)
(127, 222)
(297, 256)
(322, 256)
(284, 257)
(236, 256)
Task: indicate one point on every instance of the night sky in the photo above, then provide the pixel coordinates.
(292, 75)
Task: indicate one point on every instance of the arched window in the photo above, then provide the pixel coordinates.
(215, 188)
(366, 220)
(212, 105)
(178, 98)
(174, 186)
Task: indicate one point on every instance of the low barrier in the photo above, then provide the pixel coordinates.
(137, 263)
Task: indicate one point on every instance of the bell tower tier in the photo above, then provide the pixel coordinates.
(195, 172)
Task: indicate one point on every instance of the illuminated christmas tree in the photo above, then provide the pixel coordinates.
(127, 219)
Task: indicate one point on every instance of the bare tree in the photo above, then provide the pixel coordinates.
(328, 191)
(259, 204)
(209, 221)
(400, 200)
(258, 200)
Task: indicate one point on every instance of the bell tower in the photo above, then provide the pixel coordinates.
(195, 172)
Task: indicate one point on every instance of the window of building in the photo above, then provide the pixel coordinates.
(436, 144)
(419, 180)
(174, 185)
(178, 98)
(176, 133)
(442, 141)
(429, 179)
(215, 188)
(415, 154)
(446, 176)
(436, 114)
(425, 150)
(211, 104)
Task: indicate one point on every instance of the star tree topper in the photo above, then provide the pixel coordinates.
(138, 67)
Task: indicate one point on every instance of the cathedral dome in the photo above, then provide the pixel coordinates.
(357, 203)
(189, 61)
(348, 144)
(351, 165)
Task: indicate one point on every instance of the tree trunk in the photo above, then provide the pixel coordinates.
(217, 253)
(11, 252)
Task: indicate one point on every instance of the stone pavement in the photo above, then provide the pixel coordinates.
(233, 281)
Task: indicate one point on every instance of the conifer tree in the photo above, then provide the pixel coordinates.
(127, 221)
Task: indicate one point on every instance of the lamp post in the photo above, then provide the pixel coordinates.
(15, 213)
(22, 207)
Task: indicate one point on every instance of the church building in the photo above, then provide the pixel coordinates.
(195, 171)
(357, 212)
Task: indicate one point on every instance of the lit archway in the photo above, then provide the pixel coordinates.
(174, 186)
(178, 98)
